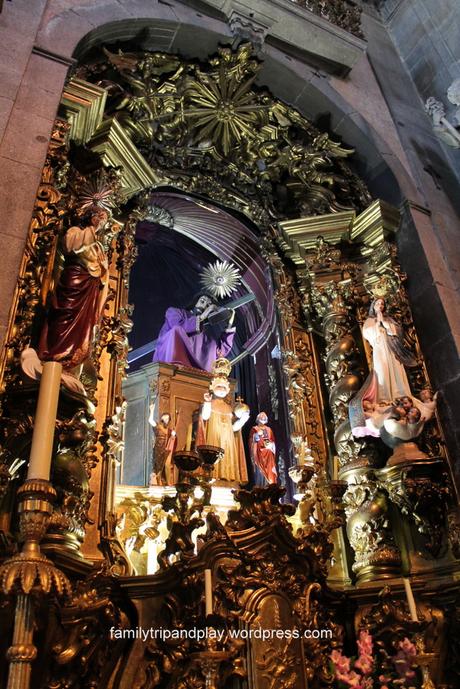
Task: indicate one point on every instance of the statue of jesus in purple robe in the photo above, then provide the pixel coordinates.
(186, 339)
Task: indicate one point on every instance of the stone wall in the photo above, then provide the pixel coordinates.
(30, 87)
(426, 34)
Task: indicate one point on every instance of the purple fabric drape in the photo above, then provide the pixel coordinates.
(182, 342)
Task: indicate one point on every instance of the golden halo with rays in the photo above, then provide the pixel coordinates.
(220, 279)
(96, 192)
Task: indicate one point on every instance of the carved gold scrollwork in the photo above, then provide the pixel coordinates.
(84, 648)
(269, 163)
(195, 122)
(423, 493)
(35, 275)
(369, 529)
(343, 370)
(298, 360)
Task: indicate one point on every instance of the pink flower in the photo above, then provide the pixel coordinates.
(353, 680)
(365, 663)
(342, 670)
(341, 662)
(407, 647)
(364, 642)
(403, 660)
(403, 668)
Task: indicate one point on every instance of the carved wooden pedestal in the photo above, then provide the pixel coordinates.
(173, 390)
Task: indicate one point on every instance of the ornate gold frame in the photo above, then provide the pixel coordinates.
(323, 273)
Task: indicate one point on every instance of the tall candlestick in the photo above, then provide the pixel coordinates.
(45, 422)
(208, 591)
(410, 600)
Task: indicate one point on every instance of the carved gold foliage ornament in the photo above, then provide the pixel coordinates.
(189, 118)
(196, 123)
(368, 526)
(65, 194)
(35, 275)
(423, 493)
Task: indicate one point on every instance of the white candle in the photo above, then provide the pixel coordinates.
(410, 600)
(45, 422)
(208, 591)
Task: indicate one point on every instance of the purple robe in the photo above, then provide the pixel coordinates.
(181, 341)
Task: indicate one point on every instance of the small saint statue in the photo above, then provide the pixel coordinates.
(221, 424)
(165, 441)
(263, 448)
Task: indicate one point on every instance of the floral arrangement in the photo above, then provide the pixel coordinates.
(369, 672)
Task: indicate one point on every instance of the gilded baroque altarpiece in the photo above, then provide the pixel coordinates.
(132, 124)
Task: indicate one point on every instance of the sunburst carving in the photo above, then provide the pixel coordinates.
(222, 106)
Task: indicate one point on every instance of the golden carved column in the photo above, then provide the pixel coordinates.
(299, 362)
(331, 253)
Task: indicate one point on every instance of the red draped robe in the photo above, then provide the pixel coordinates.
(76, 305)
(262, 444)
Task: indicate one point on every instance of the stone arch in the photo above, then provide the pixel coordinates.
(115, 349)
(66, 28)
(122, 25)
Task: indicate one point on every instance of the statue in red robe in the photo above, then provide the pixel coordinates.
(76, 305)
(80, 296)
(263, 448)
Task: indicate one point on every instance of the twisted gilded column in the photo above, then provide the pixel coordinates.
(336, 256)
(367, 506)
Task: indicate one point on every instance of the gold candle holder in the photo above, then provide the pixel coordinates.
(210, 455)
(209, 661)
(424, 661)
(30, 572)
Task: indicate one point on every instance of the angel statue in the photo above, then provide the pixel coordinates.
(387, 384)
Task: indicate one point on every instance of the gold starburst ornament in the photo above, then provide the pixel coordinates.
(99, 191)
(220, 279)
